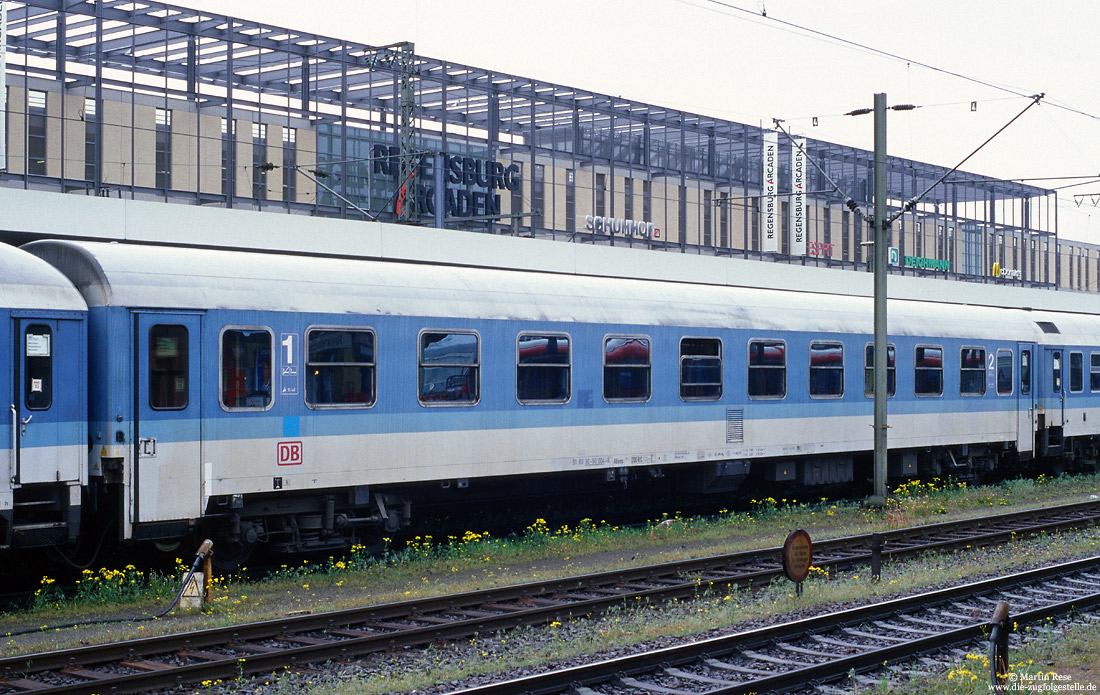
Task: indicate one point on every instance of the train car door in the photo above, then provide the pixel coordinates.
(168, 423)
(1025, 399)
(1052, 401)
(48, 404)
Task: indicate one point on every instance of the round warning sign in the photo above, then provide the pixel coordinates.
(797, 556)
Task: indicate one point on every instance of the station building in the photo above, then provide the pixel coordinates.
(148, 101)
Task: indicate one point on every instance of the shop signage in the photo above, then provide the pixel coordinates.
(926, 263)
(1006, 273)
(771, 169)
(798, 202)
(470, 184)
(614, 226)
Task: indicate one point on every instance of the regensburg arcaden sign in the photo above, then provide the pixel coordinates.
(470, 185)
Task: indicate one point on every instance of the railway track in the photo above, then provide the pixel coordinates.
(826, 648)
(270, 646)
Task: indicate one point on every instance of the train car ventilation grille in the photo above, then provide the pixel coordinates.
(1047, 327)
(735, 426)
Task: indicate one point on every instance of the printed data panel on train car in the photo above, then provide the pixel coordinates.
(46, 404)
(167, 444)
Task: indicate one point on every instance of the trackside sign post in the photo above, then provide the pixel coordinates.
(798, 551)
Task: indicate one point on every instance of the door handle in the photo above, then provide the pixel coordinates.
(25, 420)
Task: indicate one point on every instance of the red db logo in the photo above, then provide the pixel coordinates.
(289, 454)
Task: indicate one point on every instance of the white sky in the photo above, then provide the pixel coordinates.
(706, 57)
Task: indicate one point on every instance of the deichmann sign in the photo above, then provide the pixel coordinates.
(627, 228)
(926, 263)
(1006, 273)
(469, 183)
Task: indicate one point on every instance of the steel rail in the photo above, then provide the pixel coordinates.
(361, 631)
(632, 665)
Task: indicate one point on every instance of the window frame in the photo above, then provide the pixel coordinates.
(420, 365)
(568, 367)
(680, 369)
(940, 369)
(971, 370)
(186, 366)
(1094, 372)
(28, 373)
(221, 369)
(373, 365)
(1012, 371)
(810, 364)
(648, 366)
(1080, 371)
(870, 393)
(749, 367)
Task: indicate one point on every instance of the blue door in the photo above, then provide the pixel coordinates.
(1025, 399)
(49, 403)
(168, 425)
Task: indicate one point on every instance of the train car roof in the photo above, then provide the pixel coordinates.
(112, 274)
(27, 282)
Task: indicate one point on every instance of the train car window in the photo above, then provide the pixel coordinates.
(1056, 372)
(626, 368)
(767, 369)
(826, 370)
(543, 365)
(869, 370)
(449, 368)
(1094, 372)
(928, 371)
(340, 368)
(246, 368)
(168, 374)
(1004, 372)
(972, 371)
(38, 367)
(700, 369)
(1025, 372)
(1076, 372)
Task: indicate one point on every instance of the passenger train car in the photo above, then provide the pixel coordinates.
(43, 438)
(304, 402)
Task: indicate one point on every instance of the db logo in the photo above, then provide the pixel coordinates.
(289, 454)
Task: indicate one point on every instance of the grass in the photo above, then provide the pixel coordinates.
(1053, 658)
(428, 566)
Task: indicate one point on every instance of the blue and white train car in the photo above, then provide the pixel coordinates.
(43, 436)
(297, 400)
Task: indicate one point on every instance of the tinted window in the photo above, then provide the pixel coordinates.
(972, 371)
(448, 373)
(1004, 372)
(928, 371)
(168, 375)
(869, 370)
(1056, 372)
(1094, 372)
(626, 369)
(38, 367)
(1076, 372)
(340, 368)
(1025, 372)
(826, 369)
(246, 368)
(542, 368)
(767, 369)
(700, 369)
